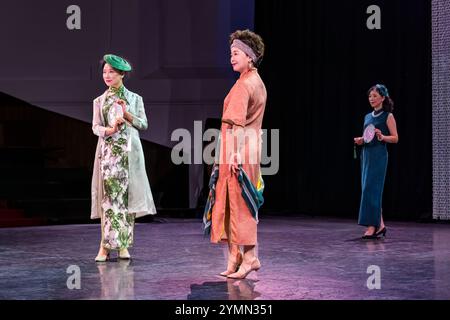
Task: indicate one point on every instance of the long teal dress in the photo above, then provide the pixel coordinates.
(374, 160)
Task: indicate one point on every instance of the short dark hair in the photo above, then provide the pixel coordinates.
(253, 40)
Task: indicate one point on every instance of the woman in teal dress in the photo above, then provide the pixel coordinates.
(374, 159)
(120, 188)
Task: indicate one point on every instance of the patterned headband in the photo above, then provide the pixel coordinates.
(383, 90)
(245, 48)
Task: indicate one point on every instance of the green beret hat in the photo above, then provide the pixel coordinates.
(117, 62)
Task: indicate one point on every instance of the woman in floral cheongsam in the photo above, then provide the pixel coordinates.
(120, 187)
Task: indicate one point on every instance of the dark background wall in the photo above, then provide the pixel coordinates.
(179, 50)
(320, 61)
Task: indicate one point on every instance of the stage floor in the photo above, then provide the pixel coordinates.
(301, 257)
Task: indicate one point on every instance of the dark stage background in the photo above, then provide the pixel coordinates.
(320, 61)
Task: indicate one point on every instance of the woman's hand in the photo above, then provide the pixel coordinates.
(123, 104)
(235, 161)
(126, 114)
(380, 136)
(359, 141)
(119, 122)
(111, 130)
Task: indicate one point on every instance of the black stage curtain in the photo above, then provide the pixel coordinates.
(320, 61)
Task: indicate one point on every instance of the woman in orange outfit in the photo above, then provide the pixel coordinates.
(232, 219)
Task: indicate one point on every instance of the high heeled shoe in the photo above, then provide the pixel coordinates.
(381, 232)
(232, 267)
(243, 272)
(370, 236)
(124, 254)
(102, 258)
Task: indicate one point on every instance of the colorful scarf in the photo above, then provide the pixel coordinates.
(252, 195)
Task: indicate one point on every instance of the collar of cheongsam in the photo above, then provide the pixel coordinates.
(249, 71)
(120, 92)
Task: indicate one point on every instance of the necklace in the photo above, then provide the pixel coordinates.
(376, 113)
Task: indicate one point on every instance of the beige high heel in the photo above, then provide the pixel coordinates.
(124, 254)
(243, 272)
(232, 266)
(102, 258)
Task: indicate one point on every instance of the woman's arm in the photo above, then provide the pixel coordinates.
(97, 125)
(359, 141)
(392, 126)
(238, 140)
(139, 121)
(235, 116)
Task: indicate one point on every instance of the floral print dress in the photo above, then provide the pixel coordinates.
(117, 222)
